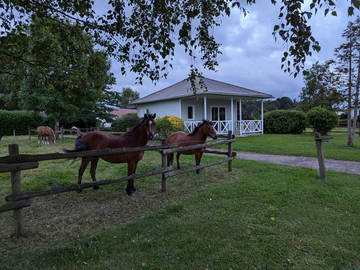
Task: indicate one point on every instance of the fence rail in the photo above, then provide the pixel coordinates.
(16, 162)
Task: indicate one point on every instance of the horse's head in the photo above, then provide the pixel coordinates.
(149, 125)
(208, 129)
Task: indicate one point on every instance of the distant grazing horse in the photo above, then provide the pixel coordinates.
(138, 136)
(46, 135)
(198, 136)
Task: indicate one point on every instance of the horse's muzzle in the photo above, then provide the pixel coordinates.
(215, 137)
(151, 136)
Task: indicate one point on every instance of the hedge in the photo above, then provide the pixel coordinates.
(20, 121)
(167, 124)
(284, 121)
(125, 122)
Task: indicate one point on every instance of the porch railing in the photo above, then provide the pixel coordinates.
(243, 127)
(222, 127)
(249, 126)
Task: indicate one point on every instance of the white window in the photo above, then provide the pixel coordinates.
(218, 113)
(191, 112)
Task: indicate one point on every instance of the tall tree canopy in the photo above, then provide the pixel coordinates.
(348, 59)
(141, 34)
(61, 73)
(121, 99)
(322, 87)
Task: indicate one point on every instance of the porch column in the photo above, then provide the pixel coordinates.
(205, 107)
(240, 114)
(262, 116)
(180, 113)
(232, 115)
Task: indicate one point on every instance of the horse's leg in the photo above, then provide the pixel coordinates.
(178, 160)
(170, 159)
(94, 163)
(130, 189)
(84, 164)
(38, 139)
(198, 156)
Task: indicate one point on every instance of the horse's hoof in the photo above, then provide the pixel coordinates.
(80, 191)
(96, 187)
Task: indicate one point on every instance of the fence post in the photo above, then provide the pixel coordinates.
(29, 134)
(163, 175)
(62, 134)
(16, 188)
(229, 151)
(320, 155)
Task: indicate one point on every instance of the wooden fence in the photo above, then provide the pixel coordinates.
(16, 162)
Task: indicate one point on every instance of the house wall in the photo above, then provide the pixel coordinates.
(199, 107)
(162, 108)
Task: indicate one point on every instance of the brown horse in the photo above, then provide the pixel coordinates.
(46, 135)
(198, 136)
(138, 136)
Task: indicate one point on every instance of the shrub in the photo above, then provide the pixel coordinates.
(167, 124)
(125, 122)
(20, 121)
(321, 119)
(284, 121)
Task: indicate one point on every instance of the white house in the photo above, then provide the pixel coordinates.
(220, 103)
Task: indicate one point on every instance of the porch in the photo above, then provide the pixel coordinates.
(225, 112)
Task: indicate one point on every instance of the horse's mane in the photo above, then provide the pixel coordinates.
(138, 125)
(196, 129)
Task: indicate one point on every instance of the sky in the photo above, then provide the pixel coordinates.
(250, 55)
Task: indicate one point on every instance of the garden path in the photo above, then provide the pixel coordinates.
(352, 167)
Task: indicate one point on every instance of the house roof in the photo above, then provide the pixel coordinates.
(214, 87)
(120, 112)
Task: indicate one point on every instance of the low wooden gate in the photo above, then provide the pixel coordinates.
(16, 162)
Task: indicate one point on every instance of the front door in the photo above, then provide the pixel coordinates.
(218, 113)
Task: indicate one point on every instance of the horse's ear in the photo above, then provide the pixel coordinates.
(153, 116)
(146, 116)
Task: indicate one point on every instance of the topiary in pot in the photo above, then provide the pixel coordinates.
(321, 119)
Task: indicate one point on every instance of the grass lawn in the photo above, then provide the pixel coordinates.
(298, 145)
(260, 216)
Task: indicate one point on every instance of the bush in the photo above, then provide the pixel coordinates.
(167, 124)
(284, 121)
(125, 122)
(20, 121)
(322, 120)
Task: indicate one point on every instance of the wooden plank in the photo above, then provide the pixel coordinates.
(216, 152)
(76, 187)
(320, 155)
(233, 154)
(16, 189)
(90, 153)
(14, 205)
(163, 175)
(18, 166)
(229, 151)
(181, 171)
(197, 146)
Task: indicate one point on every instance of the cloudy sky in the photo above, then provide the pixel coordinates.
(251, 57)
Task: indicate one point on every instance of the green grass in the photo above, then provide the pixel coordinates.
(260, 216)
(298, 145)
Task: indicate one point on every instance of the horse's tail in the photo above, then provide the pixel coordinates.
(80, 145)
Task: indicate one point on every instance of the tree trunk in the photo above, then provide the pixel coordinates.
(350, 141)
(57, 128)
(356, 101)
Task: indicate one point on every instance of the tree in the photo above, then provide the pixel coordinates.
(71, 80)
(142, 35)
(348, 56)
(321, 87)
(283, 103)
(122, 99)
